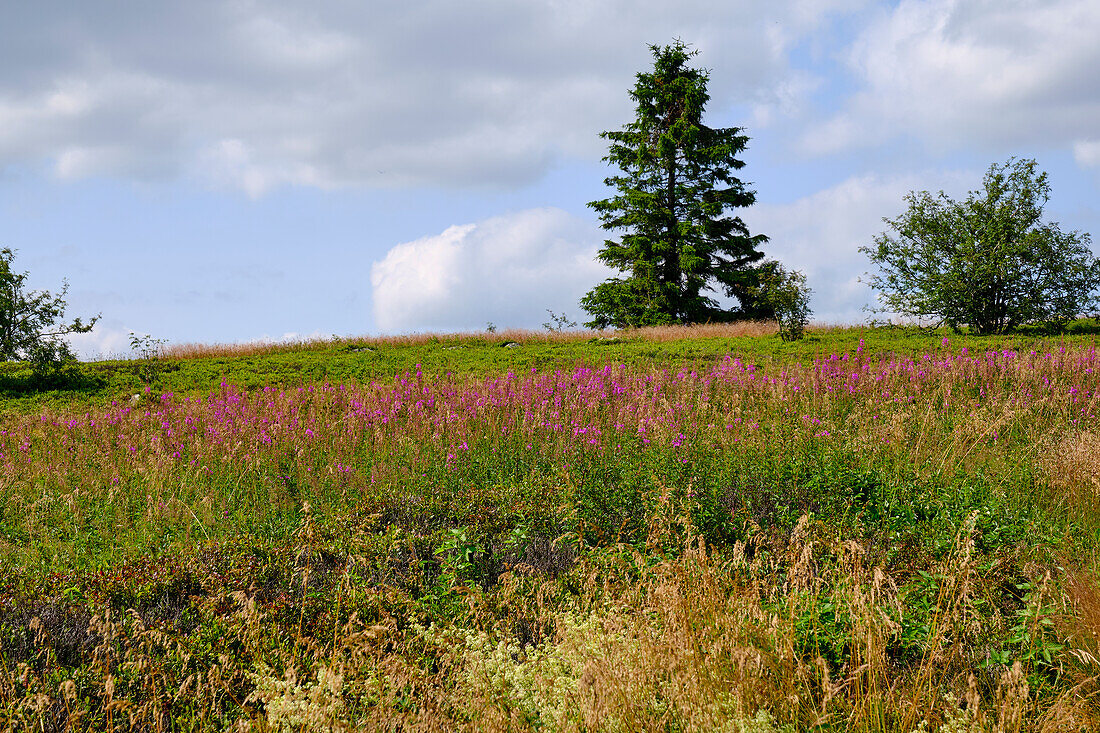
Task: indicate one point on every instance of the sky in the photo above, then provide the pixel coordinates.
(225, 171)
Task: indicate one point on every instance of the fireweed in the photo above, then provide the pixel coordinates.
(565, 410)
(751, 527)
(354, 437)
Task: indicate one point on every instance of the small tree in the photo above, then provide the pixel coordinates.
(32, 324)
(785, 293)
(559, 322)
(989, 262)
(671, 200)
(149, 351)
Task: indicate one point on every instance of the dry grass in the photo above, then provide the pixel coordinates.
(709, 330)
(784, 631)
(697, 642)
(657, 333)
(701, 641)
(705, 642)
(248, 348)
(256, 348)
(1072, 464)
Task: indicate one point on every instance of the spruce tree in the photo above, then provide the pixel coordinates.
(671, 202)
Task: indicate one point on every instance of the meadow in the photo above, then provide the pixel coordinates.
(677, 530)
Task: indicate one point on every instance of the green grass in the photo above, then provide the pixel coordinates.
(573, 533)
(364, 360)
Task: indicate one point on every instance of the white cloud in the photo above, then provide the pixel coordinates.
(966, 73)
(1087, 153)
(111, 340)
(234, 164)
(838, 133)
(507, 270)
(105, 341)
(254, 96)
(821, 234)
(288, 337)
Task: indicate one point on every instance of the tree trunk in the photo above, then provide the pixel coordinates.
(671, 266)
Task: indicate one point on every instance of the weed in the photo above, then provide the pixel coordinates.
(682, 529)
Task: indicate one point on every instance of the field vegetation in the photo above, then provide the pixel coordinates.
(668, 529)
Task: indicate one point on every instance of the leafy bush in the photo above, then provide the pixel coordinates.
(785, 294)
(32, 324)
(990, 262)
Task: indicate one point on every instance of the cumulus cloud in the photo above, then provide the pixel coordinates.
(107, 340)
(258, 95)
(506, 270)
(959, 73)
(821, 234)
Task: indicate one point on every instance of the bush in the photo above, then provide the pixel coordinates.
(785, 293)
(32, 326)
(990, 262)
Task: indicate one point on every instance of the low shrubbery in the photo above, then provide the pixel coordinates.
(867, 542)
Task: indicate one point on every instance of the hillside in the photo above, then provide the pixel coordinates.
(195, 369)
(678, 529)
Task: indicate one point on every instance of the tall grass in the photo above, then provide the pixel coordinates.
(654, 333)
(868, 542)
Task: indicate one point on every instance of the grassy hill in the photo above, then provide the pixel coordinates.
(675, 529)
(196, 369)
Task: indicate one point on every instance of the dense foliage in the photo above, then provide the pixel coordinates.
(990, 262)
(785, 294)
(32, 323)
(672, 197)
(860, 531)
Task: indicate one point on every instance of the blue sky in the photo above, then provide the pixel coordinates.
(212, 171)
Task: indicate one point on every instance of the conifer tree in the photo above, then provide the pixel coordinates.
(671, 202)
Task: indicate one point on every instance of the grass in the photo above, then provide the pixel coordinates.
(194, 369)
(684, 529)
